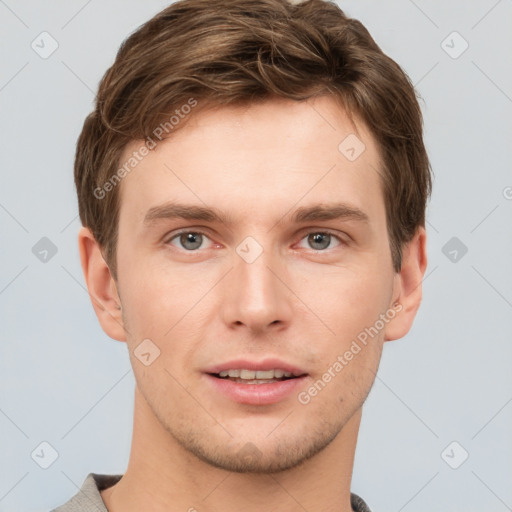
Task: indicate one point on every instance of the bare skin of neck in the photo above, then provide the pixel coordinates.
(163, 476)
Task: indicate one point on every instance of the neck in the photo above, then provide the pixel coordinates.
(164, 476)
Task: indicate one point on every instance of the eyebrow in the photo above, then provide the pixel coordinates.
(184, 211)
(329, 212)
(320, 212)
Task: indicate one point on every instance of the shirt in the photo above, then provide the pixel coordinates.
(88, 499)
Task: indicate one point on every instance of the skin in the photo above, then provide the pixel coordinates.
(301, 301)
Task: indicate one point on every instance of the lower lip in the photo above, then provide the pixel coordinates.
(256, 394)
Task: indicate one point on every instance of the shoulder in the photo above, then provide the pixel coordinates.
(88, 498)
(358, 504)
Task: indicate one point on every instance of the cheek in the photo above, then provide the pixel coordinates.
(347, 354)
(163, 307)
(156, 298)
(337, 393)
(346, 300)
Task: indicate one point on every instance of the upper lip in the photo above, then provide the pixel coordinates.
(265, 364)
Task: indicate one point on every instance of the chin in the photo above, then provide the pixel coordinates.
(263, 456)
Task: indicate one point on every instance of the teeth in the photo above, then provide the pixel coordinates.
(276, 373)
(265, 374)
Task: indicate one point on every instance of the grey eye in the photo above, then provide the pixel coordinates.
(319, 241)
(191, 241)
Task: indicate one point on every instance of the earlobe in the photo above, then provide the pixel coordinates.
(101, 286)
(408, 286)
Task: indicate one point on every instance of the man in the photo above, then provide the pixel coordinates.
(252, 186)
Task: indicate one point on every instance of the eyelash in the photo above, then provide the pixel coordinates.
(199, 232)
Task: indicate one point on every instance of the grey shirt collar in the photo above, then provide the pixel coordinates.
(88, 498)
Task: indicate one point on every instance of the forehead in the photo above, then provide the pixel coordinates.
(261, 157)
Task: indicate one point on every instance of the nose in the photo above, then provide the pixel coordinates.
(255, 295)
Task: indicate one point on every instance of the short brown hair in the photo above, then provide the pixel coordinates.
(241, 51)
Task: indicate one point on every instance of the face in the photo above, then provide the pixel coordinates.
(250, 241)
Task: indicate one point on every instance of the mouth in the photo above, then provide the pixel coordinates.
(246, 376)
(256, 383)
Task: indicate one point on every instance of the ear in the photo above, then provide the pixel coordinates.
(101, 285)
(407, 289)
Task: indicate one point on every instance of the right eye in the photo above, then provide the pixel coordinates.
(188, 240)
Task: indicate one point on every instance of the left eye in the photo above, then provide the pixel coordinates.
(189, 240)
(320, 240)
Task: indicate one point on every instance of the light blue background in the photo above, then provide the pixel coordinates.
(65, 382)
